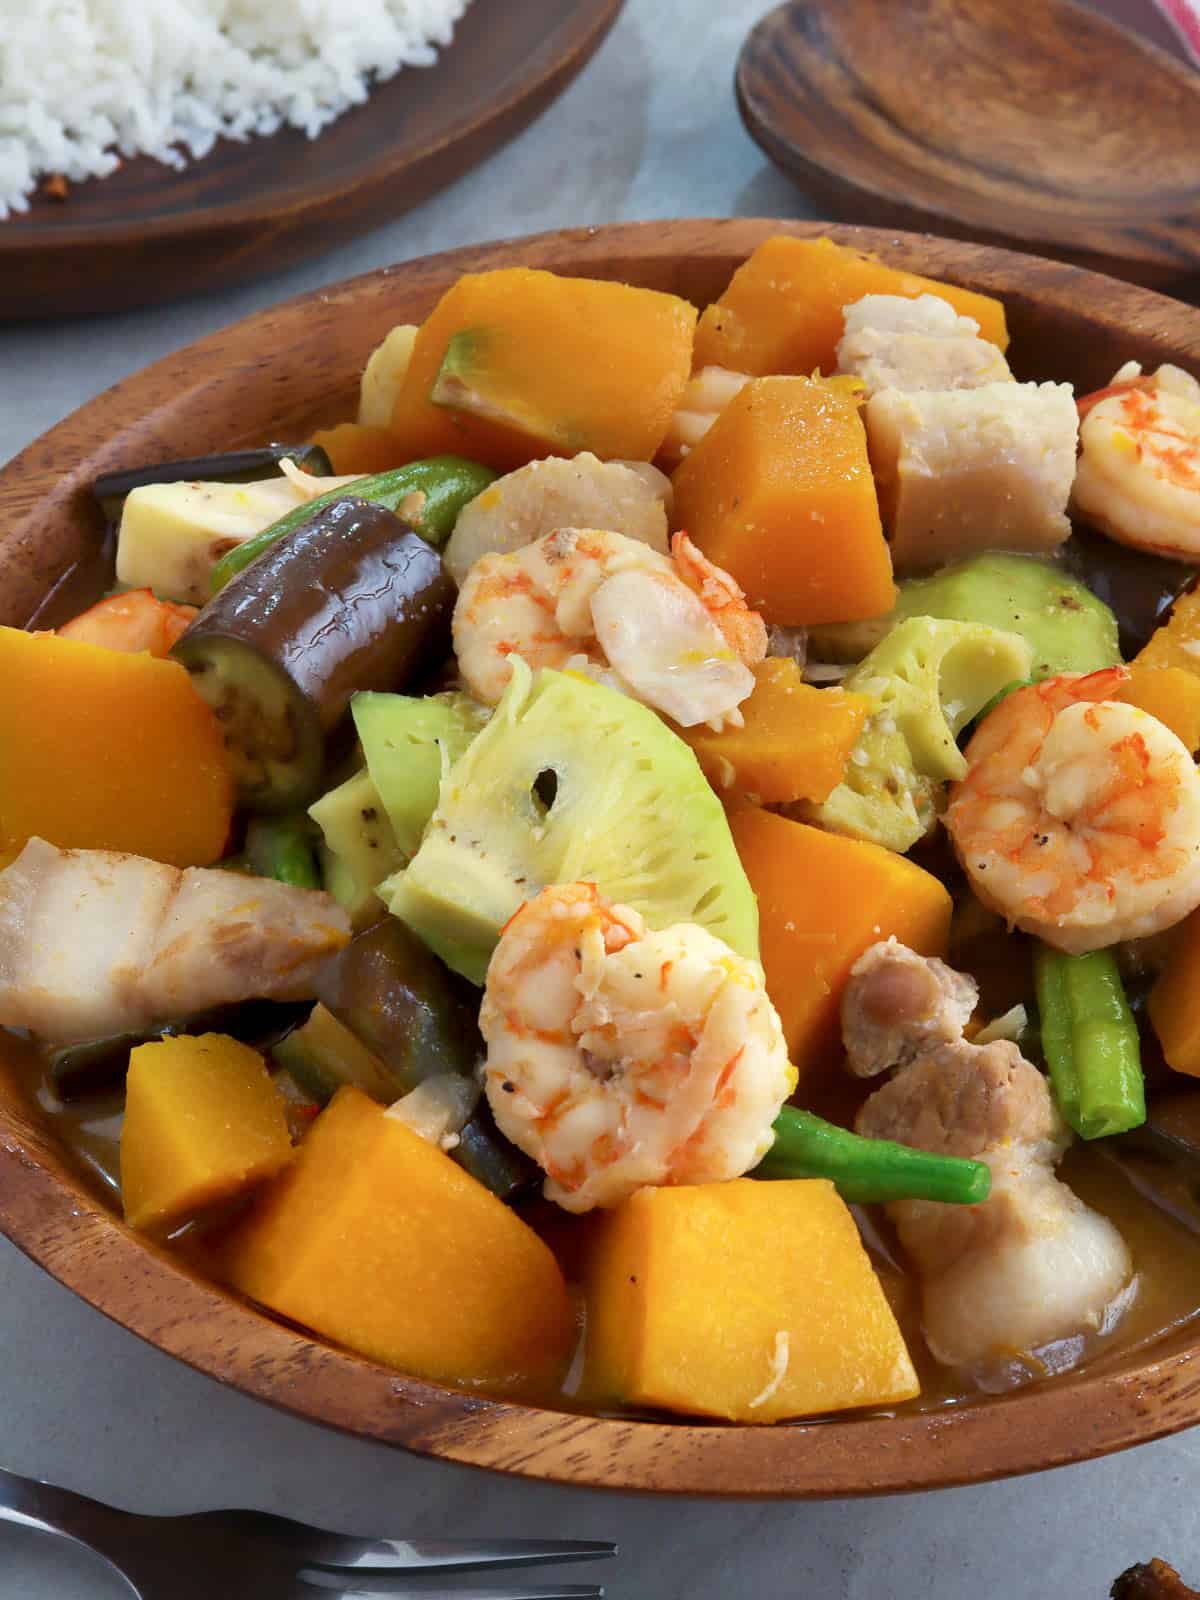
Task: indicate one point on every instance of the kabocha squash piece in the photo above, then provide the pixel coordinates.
(794, 742)
(107, 750)
(779, 492)
(822, 900)
(743, 1300)
(1177, 642)
(377, 1240)
(516, 364)
(1169, 693)
(203, 1122)
(1175, 1000)
(353, 447)
(782, 310)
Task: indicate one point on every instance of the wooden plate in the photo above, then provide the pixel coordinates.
(273, 376)
(1046, 126)
(148, 234)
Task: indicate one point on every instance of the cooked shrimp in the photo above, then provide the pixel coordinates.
(1138, 478)
(132, 621)
(619, 1058)
(673, 631)
(1079, 817)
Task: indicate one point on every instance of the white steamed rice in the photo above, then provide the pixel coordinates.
(84, 82)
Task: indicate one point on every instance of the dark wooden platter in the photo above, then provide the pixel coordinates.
(1046, 126)
(275, 375)
(148, 234)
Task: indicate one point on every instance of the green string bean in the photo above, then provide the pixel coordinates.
(1090, 1041)
(866, 1171)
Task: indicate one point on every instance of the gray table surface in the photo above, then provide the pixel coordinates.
(649, 130)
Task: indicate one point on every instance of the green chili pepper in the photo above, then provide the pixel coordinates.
(869, 1170)
(997, 698)
(446, 482)
(283, 848)
(1090, 1042)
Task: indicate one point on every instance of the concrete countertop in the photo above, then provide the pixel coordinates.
(649, 130)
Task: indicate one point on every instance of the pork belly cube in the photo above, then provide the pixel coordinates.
(892, 342)
(77, 929)
(965, 470)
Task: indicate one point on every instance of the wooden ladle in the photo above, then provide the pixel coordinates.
(1044, 126)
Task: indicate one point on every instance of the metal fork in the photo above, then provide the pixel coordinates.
(223, 1555)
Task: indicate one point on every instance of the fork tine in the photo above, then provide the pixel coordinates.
(377, 1556)
(343, 1552)
(566, 1591)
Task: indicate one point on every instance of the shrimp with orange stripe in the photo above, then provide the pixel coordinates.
(1138, 477)
(672, 631)
(1079, 817)
(620, 1057)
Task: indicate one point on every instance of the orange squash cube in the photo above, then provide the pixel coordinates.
(1172, 694)
(530, 364)
(203, 1122)
(376, 1239)
(794, 742)
(782, 310)
(1174, 1004)
(351, 447)
(103, 750)
(745, 1300)
(779, 492)
(1177, 642)
(822, 900)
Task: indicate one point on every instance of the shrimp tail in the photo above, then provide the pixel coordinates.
(743, 630)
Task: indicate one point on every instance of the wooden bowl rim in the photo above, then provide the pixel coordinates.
(56, 1219)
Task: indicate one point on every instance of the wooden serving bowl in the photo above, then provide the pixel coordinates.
(273, 377)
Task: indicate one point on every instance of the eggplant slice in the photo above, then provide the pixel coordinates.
(351, 599)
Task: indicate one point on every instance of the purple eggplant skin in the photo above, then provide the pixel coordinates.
(410, 1011)
(351, 599)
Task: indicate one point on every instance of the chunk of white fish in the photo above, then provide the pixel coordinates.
(94, 942)
(628, 497)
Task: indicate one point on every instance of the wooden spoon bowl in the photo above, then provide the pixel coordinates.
(274, 376)
(1042, 125)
